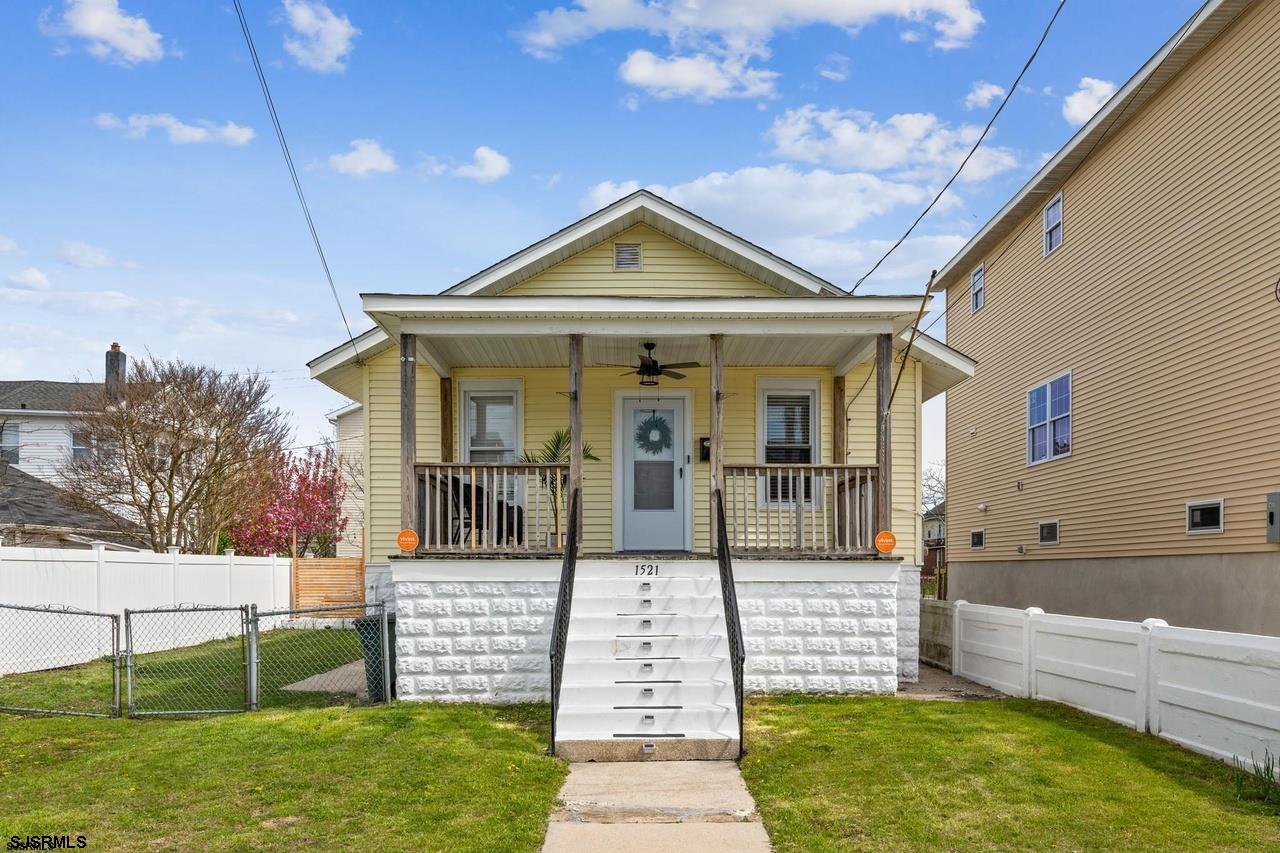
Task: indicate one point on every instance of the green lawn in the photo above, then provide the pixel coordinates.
(406, 777)
(897, 774)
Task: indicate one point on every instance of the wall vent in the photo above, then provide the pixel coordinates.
(626, 256)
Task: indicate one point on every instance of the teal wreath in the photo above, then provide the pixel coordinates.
(653, 435)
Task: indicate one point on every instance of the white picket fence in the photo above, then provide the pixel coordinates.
(103, 581)
(1213, 692)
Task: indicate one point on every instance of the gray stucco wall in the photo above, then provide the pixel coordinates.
(1236, 592)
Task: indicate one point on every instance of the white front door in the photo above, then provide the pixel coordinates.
(655, 468)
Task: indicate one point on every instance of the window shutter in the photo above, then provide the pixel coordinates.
(626, 256)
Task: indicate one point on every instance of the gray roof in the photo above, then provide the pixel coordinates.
(41, 395)
(26, 501)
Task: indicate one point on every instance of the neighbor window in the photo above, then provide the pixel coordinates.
(1049, 420)
(977, 539)
(80, 446)
(1053, 224)
(1204, 516)
(9, 444)
(977, 289)
(789, 435)
(491, 422)
(1048, 533)
(626, 257)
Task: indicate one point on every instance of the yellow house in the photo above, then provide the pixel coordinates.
(698, 385)
(1117, 453)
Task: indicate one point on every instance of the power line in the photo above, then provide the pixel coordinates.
(293, 173)
(1003, 102)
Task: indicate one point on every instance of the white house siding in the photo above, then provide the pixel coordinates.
(44, 445)
(349, 434)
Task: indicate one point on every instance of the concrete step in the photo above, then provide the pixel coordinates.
(630, 693)
(649, 569)
(598, 723)
(646, 587)
(611, 605)
(708, 747)
(593, 672)
(646, 625)
(644, 647)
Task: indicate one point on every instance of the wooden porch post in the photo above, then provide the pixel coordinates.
(839, 451)
(575, 430)
(717, 432)
(446, 419)
(408, 432)
(884, 433)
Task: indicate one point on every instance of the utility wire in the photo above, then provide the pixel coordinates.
(293, 173)
(974, 150)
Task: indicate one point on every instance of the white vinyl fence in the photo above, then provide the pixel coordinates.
(1213, 692)
(103, 581)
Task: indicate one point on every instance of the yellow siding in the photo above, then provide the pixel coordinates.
(670, 268)
(546, 410)
(1160, 300)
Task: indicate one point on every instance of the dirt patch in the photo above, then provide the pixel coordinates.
(938, 685)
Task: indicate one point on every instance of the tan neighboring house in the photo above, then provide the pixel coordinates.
(1117, 453)
(742, 430)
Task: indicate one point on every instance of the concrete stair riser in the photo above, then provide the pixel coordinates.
(681, 605)
(628, 693)
(596, 671)
(709, 722)
(646, 647)
(643, 626)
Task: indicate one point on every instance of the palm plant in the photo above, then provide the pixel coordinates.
(555, 451)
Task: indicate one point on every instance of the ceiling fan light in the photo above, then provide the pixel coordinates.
(648, 381)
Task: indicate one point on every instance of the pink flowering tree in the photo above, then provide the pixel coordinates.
(302, 496)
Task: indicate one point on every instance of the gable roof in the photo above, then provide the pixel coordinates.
(40, 395)
(643, 206)
(29, 502)
(1176, 53)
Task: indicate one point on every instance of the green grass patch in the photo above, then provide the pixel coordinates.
(404, 777)
(892, 774)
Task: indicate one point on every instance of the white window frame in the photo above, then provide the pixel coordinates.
(1057, 532)
(1049, 418)
(1221, 503)
(1061, 225)
(978, 296)
(16, 429)
(613, 256)
(767, 385)
(467, 387)
(87, 448)
(983, 546)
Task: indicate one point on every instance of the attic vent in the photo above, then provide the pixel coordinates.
(626, 256)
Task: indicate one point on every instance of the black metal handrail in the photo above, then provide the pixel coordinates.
(564, 604)
(732, 621)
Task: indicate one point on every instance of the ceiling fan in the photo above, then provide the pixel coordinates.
(649, 369)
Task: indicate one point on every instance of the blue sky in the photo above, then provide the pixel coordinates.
(143, 198)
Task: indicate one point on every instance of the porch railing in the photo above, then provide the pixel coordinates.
(801, 509)
(564, 608)
(492, 508)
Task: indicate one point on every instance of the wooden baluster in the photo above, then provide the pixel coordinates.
(473, 507)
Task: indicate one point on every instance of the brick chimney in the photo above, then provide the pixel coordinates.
(114, 381)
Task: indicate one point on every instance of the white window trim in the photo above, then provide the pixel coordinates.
(1062, 225)
(467, 387)
(613, 255)
(766, 385)
(1057, 531)
(981, 547)
(1026, 422)
(16, 428)
(1222, 516)
(974, 308)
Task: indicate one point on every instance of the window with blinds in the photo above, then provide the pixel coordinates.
(491, 426)
(789, 440)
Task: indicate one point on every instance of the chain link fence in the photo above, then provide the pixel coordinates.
(319, 655)
(59, 660)
(190, 659)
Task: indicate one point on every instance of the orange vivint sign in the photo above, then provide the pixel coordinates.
(407, 540)
(886, 541)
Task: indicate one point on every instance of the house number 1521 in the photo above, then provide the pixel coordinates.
(646, 569)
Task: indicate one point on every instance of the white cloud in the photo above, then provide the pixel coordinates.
(701, 77)
(843, 260)
(914, 145)
(911, 36)
(1080, 105)
(777, 202)
(8, 246)
(203, 131)
(29, 279)
(86, 256)
(835, 67)
(365, 157)
(552, 181)
(111, 33)
(486, 167)
(321, 39)
(713, 42)
(982, 94)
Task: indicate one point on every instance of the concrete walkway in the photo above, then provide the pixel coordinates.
(656, 806)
